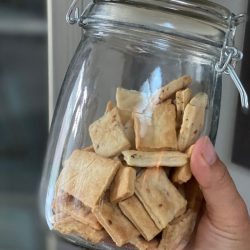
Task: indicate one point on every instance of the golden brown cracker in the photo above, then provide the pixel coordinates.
(157, 131)
(124, 184)
(152, 159)
(136, 213)
(108, 136)
(159, 196)
(91, 177)
(115, 223)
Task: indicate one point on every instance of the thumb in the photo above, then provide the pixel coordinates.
(223, 202)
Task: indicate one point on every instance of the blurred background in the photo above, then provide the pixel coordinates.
(36, 46)
(23, 120)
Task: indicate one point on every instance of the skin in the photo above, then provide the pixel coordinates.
(225, 223)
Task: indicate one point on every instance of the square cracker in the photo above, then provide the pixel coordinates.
(178, 233)
(157, 131)
(88, 176)
(131, 100)
(69, 225)
(124, 184)
(115, 223)
(77, 210)
(159, 196)
(108, 136)
(137, 214)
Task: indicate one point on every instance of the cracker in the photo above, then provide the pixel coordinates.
(109, 106)
(88, 149)
(142, 244)
(194, 195)
(183, 97)
(183, 174)
(136, 213)
(124, 184)
(115, 223)
(91, 176)
(70, 226)
(157, 131)
(81, 213)
(159, 196)
(108, 136)
(177, 234)
(131, 100)
(193, 121)
(152, 159)
(171, 88)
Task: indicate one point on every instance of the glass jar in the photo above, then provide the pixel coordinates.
(142, 87)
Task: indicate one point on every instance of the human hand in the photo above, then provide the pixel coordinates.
(225, 223)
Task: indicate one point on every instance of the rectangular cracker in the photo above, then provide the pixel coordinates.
(108, 136)
(124, 184)
(71, 226)
(82, 213)
(171, 88)
(178, 233)
(90, 178)
(152, 159)
(142, 244)
(193, 121)
(115, 223)
(183, 97)
(183, 174)
(131, 100)
(136, 213)
(157, 131)
(159, 196)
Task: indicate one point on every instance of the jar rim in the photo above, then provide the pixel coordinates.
(172, 17)
(202, 7)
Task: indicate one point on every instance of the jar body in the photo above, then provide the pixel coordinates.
(107, 66)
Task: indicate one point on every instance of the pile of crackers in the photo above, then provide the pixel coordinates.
(134, 186)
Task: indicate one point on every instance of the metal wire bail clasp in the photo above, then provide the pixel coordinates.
(228, 60)
(73, 8)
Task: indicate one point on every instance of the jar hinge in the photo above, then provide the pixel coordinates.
(229, 58)
(73, 8)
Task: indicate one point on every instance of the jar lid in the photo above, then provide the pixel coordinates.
(197, 20)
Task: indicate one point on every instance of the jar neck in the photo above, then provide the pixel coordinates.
(174, 18)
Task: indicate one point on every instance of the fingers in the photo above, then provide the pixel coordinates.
(223, 201)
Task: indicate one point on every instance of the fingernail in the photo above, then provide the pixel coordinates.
(208, 152)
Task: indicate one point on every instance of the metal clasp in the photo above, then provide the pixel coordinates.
(73, 8)
(229, 58)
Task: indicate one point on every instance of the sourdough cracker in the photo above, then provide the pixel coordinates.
(171, 88)
(70, 226)
(109, 106)
(88, 149)
(124, 184)
(193, 121)
(183, 174)
(131, 100)
(142, 244)
(81, 213)
(108, 136)
(115, 223)
(183, 97)
(91, 177)
(159, 196)
(177, 234)
(136, 213)
(157, 131)
(152, 159)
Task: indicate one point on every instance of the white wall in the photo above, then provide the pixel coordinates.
(224, 142)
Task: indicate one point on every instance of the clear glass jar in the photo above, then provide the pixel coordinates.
(143, 86)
